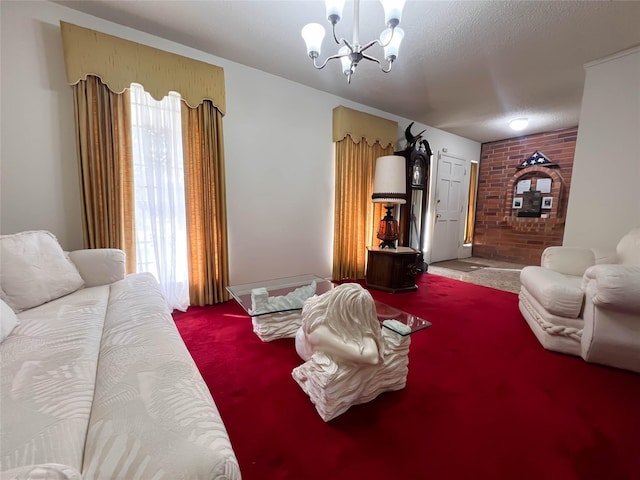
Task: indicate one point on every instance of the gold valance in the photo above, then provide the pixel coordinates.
(118, 63)
(358, 125)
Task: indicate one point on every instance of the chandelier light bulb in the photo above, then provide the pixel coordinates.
(346, 60)
(519, 124)
(392, 39)
(313, 34)
(334, 10)
(392, 11)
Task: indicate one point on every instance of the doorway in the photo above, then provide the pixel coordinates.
(450, 200)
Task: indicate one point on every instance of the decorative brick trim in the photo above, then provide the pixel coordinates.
(557, 190)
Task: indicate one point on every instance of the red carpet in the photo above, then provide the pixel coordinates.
(483, 400)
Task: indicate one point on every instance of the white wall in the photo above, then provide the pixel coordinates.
(278, 149)
(39, 180)
(604, 202)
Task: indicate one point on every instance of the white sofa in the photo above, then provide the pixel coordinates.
(586, 302)
(96, 381)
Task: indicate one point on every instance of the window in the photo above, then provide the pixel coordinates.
(159, 199)
(471, 205)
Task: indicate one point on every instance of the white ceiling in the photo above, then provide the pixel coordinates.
(466, 67)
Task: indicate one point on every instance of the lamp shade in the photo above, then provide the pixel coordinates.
(390, 180)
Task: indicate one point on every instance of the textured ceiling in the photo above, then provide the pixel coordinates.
(464, 67)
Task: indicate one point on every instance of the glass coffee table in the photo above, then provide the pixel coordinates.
(275, 306)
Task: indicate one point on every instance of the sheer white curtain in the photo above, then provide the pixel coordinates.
(160, 222)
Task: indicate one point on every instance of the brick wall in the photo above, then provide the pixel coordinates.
(499, 233)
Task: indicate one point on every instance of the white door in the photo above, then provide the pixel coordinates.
(450, 198)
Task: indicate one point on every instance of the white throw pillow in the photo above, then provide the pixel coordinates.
(8, 320)
(34, 270)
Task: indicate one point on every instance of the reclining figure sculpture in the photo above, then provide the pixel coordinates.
(286, 320)
(262, 303)
(349, 358)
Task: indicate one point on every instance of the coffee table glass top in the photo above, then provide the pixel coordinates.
(289, 293)
(410, 323)
(280, 287)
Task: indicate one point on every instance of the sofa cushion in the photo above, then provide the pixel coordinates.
(48, 367)
(152, 414)
(99, 266)
(34, 270)
(8, 320)
(559, 294)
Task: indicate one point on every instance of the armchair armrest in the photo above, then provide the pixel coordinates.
(613, 287)
(605, 255)
(99, 266)
(568, 260)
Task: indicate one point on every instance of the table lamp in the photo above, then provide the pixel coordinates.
(390, 188)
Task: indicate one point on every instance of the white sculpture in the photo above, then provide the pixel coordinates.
(261, 302)
(271, 326)
(343, 325)
(350, 359)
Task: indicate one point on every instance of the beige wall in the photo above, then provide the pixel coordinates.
(605, 195)
(279, 155)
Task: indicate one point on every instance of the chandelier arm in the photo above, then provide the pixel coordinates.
(342, 40)
(348, 45)
(324, 64)
(338, 42)
(377, 41)
(373, 59)
(370, 44)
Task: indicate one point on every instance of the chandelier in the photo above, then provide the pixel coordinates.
(350, 54)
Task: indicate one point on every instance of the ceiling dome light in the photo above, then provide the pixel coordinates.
(519, 124)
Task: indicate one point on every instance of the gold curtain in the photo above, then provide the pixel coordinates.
(356, 217)
(105, 153)
(363, 126)
(103, 143)
(205, 194)
(119, 63)
(471, 209)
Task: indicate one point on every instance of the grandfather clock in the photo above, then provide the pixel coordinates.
(412, 223)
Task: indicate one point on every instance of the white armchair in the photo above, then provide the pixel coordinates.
(586, 302)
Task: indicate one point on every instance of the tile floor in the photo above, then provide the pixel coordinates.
(490, 273)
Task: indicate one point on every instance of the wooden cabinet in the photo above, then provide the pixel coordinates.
(392, 270)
